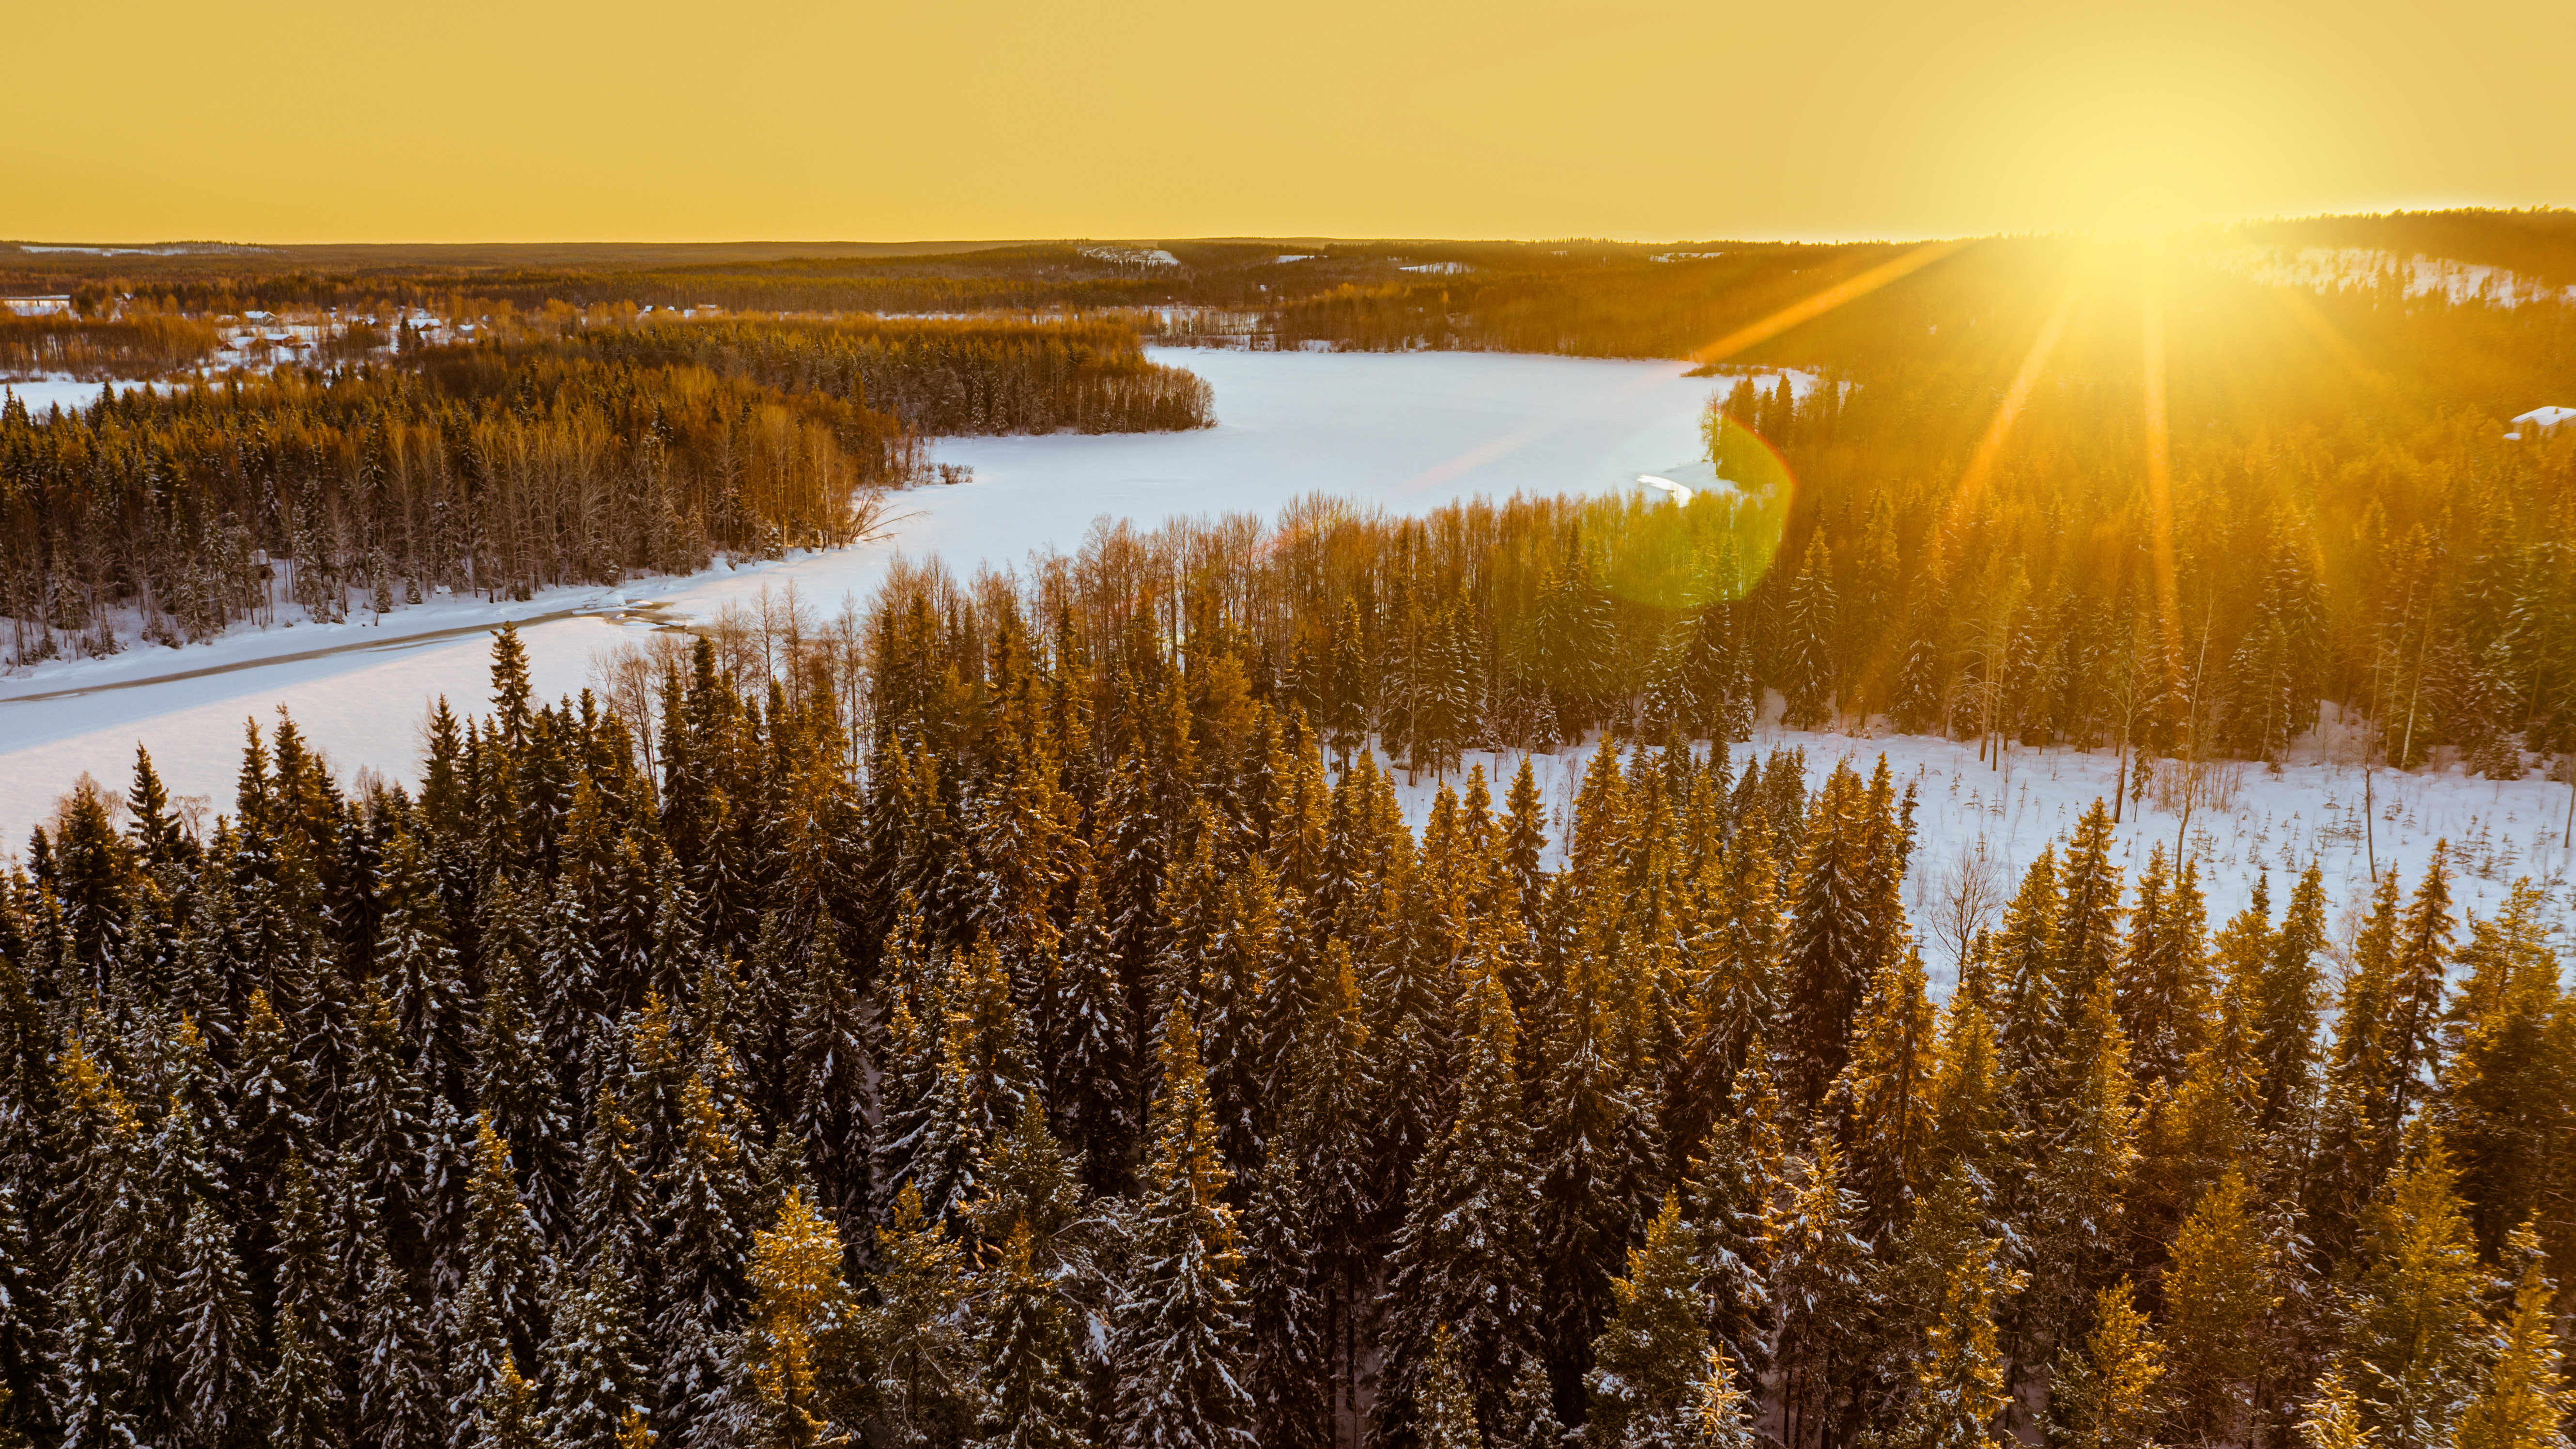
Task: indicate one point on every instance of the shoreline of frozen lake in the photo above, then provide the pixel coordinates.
(1405, 431)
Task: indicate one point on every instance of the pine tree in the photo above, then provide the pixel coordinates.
(1180, 1330)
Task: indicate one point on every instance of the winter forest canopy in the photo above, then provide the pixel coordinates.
(1024, 1016)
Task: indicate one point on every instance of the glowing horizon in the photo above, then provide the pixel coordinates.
(791, 121)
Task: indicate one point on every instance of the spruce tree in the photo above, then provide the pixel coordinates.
(919, 1333)
(1180, 1330)
(2416, 1333)
(2525, 1400)
(1447, 1415)
(1649, 1359)
(302, 1400)
(1091, 1060)
(2506, 1109)
(216, 1331)
(401, 1399)
(801, 1321)
(706, 1194)
(595, 1370)
(1035, 1395)
(1826, 965)
(1289, 1374)
(1464, 1266)
(2218, 1296)
(1961, 1380)
(2110, 1396)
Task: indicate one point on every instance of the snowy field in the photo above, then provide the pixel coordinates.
(1972, 817)
(1407, 432)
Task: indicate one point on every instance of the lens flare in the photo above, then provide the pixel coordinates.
(1730, 530)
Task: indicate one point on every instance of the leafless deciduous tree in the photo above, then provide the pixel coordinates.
(1970, 896)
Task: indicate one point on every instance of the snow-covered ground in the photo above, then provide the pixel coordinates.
(2327, 268)
(71, 394)
(1408, 432)
(2004, 813)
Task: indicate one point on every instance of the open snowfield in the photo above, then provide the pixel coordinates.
(2498, 831)
(1408, 432)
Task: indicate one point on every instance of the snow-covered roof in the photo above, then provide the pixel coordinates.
(2548, 417)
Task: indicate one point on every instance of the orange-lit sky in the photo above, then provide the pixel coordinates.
(457, 120)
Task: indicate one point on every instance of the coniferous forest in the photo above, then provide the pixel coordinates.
(1101, 1059)
(1022, 1014)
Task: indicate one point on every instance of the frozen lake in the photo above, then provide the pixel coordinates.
(1408, 432)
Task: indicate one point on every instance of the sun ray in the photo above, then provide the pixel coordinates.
(2159, 457)
(1811, 308)
(1981, 465)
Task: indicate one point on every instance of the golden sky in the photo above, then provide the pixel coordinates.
(847, 119)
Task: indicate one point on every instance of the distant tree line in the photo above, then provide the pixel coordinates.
(961, 377)
(540, 457)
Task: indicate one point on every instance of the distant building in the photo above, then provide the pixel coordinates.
(37, 306)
